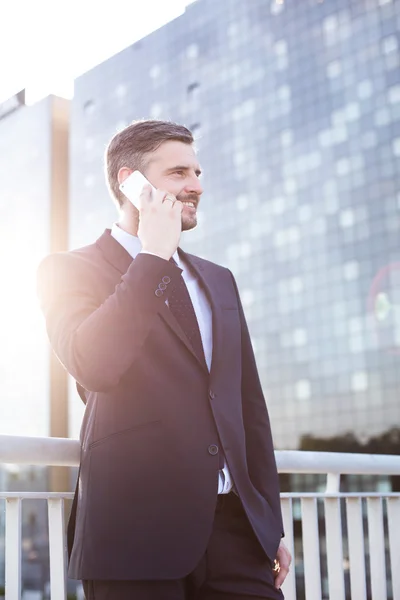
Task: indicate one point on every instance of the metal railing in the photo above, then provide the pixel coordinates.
(321, 515)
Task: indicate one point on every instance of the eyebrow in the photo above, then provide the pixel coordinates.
(183, 168)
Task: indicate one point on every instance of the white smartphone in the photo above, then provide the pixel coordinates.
(132, 187)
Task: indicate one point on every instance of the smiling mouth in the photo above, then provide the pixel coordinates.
(189, 204)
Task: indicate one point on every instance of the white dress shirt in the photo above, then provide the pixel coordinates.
(202, 310)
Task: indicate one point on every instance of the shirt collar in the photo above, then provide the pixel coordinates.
(133, 245)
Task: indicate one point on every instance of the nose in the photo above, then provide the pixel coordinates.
(194, 186)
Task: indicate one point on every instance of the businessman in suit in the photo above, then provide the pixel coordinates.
(177, 495)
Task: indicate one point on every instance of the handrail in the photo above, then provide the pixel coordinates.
(48, 451)
(343, 463)
(45, 451)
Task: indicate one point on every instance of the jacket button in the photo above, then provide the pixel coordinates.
(212, 394)
(159, 293)
(213, 449)
(166, 279)
(162, 286)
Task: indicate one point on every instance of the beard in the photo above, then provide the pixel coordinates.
(189, 216)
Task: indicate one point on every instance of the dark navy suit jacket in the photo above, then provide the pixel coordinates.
(154, 415)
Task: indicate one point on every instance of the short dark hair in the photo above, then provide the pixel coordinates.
(131, 147)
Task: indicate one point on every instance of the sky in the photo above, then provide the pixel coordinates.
(45, 44)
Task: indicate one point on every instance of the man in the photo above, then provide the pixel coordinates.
(178, 496)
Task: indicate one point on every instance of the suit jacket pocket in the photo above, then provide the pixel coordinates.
(112, 436)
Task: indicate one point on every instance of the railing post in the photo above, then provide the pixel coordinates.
(13, 549)
(289, 585)
(57, 544)
(312, 569)
(332, 483)
(376, 548)
(334, 548)
(393, 507)
(355, 535)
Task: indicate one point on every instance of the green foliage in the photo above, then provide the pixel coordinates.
(386, 443)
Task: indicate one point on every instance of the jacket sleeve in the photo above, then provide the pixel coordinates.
(259, 445)
(97, 341)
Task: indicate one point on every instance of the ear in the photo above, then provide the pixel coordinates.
(123, 173)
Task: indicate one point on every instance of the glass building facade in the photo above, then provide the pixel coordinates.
(25, 205)
(33, 167)
(295, 108)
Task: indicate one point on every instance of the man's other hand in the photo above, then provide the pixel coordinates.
(282, 564)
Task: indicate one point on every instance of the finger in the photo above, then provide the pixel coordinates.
(145, 194)
(169, 200)
(178, 206)
(283, 556)
(281, 576)
(159, 196)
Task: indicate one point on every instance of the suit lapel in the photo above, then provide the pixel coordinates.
(211, 284)
(169, 318)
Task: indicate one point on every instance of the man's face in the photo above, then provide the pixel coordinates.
(173, 167)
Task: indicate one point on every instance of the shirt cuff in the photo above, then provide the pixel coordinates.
(151, 253)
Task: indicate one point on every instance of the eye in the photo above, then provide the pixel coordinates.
(179, 172)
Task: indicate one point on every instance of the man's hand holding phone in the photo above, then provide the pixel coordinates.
(160, 222)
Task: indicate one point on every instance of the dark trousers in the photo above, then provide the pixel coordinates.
(234, 567)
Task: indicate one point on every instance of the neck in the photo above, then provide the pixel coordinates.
(129, 221)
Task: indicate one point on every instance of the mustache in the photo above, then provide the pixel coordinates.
(188, 198)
